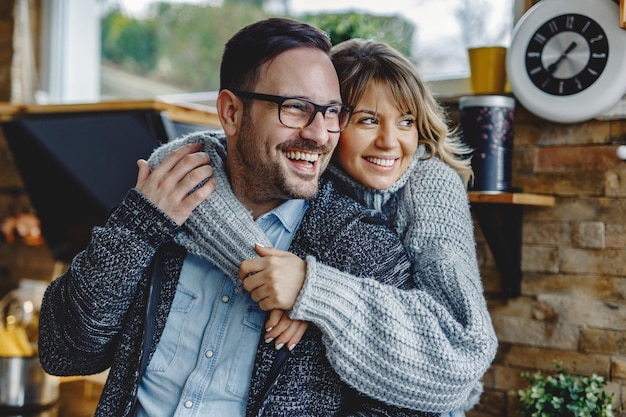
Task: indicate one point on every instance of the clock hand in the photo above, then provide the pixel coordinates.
(552, 67)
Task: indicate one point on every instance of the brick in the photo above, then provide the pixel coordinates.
(589, 235)
(582, 287)
(577, 158)
(540, 259)
(508, 378)
(618, 368)
(591, 132)
(596, 313)
(546, 233)
(608, 261)
(607, 210)
(523, 161)
(615, 184)
(537, 358)
(525, 135)
(615, 235)
(610, 342)
(535, 332)
(561, 183)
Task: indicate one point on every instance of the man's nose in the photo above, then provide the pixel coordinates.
(316, 130)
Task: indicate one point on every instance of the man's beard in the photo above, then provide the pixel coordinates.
(266, 180)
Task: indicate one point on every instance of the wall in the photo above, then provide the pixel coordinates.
(17, 260)
(6, 48)
(573, 302)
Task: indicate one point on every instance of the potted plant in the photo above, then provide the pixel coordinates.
(565, 395)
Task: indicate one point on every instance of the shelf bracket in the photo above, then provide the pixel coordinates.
(499, 216)
(502, 227)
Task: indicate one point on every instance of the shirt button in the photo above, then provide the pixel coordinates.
(188, 404)
(225, 298)
(208, 353)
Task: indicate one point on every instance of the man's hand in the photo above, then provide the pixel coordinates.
(274, 280)
(169, 186)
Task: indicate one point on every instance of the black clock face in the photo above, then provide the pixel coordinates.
(567, 54)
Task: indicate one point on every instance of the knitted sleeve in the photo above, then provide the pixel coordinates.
(84, 309)
(220, 228)
(425, 348)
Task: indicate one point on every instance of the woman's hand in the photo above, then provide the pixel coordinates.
(275, 279)
(169, 186)
(284, 331)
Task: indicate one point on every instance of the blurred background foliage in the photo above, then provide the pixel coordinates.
(183, 43)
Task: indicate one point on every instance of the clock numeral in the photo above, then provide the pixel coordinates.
(592, 71)
(584, 29)
(539, 38)
(545, 83)
(578, 84)
(553, 26)
(596, 39)
(569, 22)
(534, 55)
(536, 70)
(598, 55)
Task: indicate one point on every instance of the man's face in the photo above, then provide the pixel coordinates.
(269, 162)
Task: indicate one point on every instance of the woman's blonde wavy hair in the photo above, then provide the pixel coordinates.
(358, 62)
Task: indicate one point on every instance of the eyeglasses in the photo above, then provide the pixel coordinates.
(298, 113)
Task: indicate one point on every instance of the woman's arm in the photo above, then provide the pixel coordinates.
(425, 348)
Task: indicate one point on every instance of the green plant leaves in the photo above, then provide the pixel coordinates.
(565, 395)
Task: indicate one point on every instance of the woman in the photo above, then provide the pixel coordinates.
(397, 156)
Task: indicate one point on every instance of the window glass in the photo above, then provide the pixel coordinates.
(164, 43)
(444, 29)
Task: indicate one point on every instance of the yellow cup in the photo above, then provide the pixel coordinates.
(487, 69)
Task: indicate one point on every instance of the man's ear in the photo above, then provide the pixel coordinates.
(229, 109)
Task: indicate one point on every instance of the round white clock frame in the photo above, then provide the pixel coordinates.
(572, 55)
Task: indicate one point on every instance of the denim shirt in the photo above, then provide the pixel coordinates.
(203, 363)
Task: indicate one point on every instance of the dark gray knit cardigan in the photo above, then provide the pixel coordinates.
(92, 317)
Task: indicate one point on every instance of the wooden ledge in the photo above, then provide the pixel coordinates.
(511, 198)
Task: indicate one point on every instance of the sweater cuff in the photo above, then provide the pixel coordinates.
(327, 299)
(141, 217)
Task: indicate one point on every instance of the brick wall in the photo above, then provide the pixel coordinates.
(573, 302)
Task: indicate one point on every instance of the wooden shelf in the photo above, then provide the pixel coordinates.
(511, 198)
(179, 112)
(500, 218)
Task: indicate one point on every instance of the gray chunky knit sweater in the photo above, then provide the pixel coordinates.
(432, 345)
(92, 317)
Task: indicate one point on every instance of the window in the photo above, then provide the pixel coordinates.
(443, 31)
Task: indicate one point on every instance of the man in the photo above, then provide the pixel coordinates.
(200, 334)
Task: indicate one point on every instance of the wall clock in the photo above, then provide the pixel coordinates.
(567, 59)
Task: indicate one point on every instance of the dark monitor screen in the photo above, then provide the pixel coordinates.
(76, 167)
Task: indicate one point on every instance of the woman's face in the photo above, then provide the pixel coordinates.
(378, 145)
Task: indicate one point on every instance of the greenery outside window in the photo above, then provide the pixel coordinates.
(173, 47)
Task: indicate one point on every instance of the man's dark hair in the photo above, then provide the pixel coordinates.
(260, 42)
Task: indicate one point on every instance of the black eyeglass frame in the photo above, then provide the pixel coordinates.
(318, 108)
